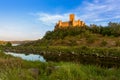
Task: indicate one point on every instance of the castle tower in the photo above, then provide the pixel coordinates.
(71, 23)
(72, 16)
(79, 22)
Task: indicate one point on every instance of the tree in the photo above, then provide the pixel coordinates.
(8, 44)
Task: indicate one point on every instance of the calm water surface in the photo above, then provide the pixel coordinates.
(30, 57)
(15, 44)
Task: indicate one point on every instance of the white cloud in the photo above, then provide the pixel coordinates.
(51, 19)
(97, 11)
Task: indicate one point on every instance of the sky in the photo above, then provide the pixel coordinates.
(30, 19)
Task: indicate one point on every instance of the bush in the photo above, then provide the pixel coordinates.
(117, 43)
(8, 44)
(90, 38)
(104, 43)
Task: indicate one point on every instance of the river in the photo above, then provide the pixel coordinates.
(15, 44)
(30, 57)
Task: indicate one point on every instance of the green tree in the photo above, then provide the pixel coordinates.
(8, 44)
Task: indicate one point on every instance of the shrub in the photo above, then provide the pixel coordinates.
(117, 43)
(8, 44)
(104, 43)
(90, 39)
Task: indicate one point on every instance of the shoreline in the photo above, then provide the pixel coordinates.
(69, 55)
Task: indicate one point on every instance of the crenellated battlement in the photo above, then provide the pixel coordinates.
(72, 22)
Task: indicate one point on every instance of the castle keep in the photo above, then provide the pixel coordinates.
(71, 23)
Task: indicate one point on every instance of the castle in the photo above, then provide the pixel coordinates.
(71, 23)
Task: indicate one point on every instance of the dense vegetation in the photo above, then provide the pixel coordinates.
(6, 44)
(93, 35)
(107, 57)
(99, 51)
(12, 68)
(77, 47)
(113, 29)
(93, 44)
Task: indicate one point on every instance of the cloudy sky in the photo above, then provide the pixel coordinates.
(30, 19)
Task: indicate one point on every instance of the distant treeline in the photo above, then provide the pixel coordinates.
(112, 29)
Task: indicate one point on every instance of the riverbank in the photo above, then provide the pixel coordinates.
(12, 68)
(108, 57)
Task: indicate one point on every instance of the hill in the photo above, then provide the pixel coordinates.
(2, 42)
(92, 44)
(93, 36)
(20, 42)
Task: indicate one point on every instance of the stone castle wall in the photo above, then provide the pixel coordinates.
(71, 22)
(65, 24)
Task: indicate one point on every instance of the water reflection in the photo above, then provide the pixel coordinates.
(31, 57)
(15, 44)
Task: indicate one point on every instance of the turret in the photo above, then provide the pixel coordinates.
(60, 23)
(72, 16)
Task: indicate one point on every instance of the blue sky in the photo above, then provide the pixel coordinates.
(30, 19)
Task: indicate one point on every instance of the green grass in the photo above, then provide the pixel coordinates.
(12, 68)
(99, 51)
(81, 54)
